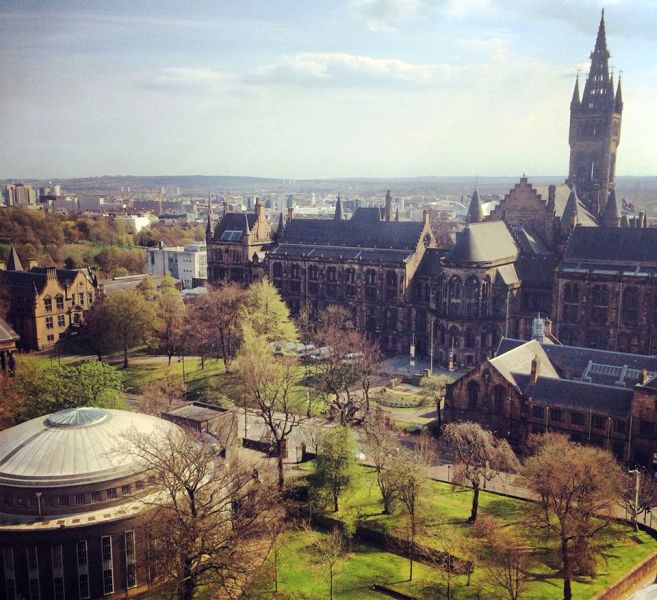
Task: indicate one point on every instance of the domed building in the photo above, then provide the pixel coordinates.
(70, 505)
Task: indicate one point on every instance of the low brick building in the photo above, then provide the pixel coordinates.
(598, 397)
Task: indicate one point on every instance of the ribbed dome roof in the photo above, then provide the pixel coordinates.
(73, 447)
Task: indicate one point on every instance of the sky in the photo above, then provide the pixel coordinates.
(303, 89)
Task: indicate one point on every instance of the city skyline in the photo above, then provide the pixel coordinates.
(368, 88)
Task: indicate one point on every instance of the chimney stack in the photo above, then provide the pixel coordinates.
(535, 368)
(51, 273)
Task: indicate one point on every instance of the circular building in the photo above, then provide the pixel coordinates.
(70, 505)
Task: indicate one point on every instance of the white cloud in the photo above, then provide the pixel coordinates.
(189, 77)
(385, 15)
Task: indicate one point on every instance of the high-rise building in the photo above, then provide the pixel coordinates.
(595, 123)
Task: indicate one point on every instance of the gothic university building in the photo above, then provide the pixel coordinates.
(563, 251)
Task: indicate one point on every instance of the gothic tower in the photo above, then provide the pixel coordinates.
(595, 123)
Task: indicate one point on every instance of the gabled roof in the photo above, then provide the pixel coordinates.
(25, 283)
(619, 245)
(7, 334)
(232, 226)
(488, 243)
(518, 360)
(363, 230)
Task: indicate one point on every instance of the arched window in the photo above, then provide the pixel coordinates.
(331, 281)
(294, 271)
(483, 338)
(313, 272)
(455, 292)
(485, 297)
(471, 296)
(370, 284)
(391, 285)
(630, 306)
(277, 270)
(473, 395)
(600, 303)
(469, 339)
(350, 281)
(570, 302)
(498, 398)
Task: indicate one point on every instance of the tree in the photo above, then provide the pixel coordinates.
(334, 469)
(147, 288)
(575, 486)
(330, 551)
(42, 388)
(162, 395)
(267, 314)
(268, 381)
(433, 389)
(215, 322)
(171, 312)
(638, 504)
(505, 557)
(479, 457)
(211, 523)
(408, 481)
(381, 447)
(123, 320)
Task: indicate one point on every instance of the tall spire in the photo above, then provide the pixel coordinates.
(601, 40)
(339, 210)
(575, 100)
(475, 212)
(13, 262)
(611, 217)
(388, 215)
(280, 230)
(618, 103)
(247, 229)
(397, 214)
(208, 227)
(569, 218)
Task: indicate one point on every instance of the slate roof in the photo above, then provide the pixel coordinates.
(612, 245)
(232, 226)
(574, 394)
(517, 361)
(537, 269)
(343, 253)
(430, 265)
(7, 334)
(489, 243)
(23, 283)
(576, 359)
(363, 230)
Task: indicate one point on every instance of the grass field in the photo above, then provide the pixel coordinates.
(446, 510)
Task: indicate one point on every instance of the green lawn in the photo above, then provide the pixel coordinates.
(447, 509)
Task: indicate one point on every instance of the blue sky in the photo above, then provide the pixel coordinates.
(312, 88)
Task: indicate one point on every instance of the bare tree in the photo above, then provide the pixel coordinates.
(479, 457)
(330, 551)
(639, 495)
(505, 556)
(576, 486)
(268, 381)
(171, 311)
(162, 394)
(408, 480)
(381, 447)
(215, 323)
(433, 390)
(208, 523)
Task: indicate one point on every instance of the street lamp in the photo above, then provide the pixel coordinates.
(636, 474)
(449, 469)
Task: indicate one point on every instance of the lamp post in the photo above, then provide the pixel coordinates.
(449, 470)
(636, 474)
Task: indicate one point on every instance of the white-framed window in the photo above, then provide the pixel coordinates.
(130, 559)
(83, 569)
(58, 572)
(108, 568)
(10, 574)
(33, 572)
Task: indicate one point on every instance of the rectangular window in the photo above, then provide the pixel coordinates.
(50, 338)
(90, 298)
(126, 490)
(47, 304)
(50, 324)
(576, 418)
(538, 412)
(10, 574)
(139, 484)
(81, 299)
(61, 320)
(57, 572)
(64, 501)
(83, 569)
(33, 573)
(130, 559)
(111, 493)
(598, 422)
(80, 498)
(95, 496)
(60, 302)
(619, 426)
(646, 428)
(555, 414)
(108, 570)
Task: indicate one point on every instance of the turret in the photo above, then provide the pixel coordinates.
(475, 212)
(388, 213)
(339, 210)
(208, 227)
(611, 216)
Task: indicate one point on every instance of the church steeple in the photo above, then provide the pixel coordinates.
(475, 212)
(208, 227)
(595, 123)
(339, 210)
